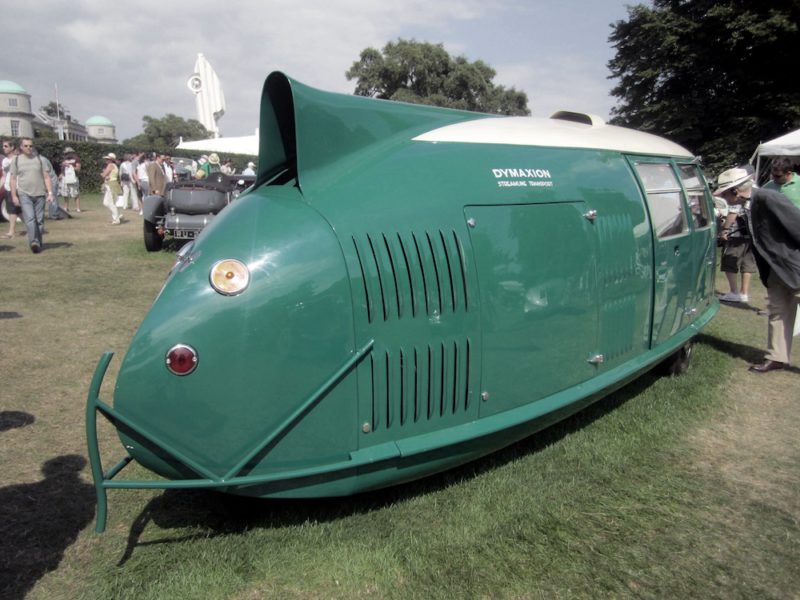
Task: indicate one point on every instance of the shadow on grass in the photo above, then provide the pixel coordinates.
(744, 352)
(54, 245)
(38, 521)
(219, 514)
(741, 306)
(14, 419)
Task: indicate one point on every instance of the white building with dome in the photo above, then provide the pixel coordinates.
(16, 116)
(17, 119)
(101, 130)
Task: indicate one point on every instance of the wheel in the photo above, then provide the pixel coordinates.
(152, 241)
(678, 363)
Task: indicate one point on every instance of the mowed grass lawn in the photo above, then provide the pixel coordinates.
(670, 488)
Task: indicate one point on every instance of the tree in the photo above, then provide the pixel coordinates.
(59, 111)
(423, 73)
(712, 75)
(168, 131)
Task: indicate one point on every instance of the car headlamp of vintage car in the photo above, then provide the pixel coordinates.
(229, 277)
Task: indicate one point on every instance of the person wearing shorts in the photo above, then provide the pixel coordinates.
(737, 254)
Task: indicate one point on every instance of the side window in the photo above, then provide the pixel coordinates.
(695, 192)
(664, 198)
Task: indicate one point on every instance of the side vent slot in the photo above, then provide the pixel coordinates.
(411, 275)
(367, 297)
(420, 384)
(377, 264)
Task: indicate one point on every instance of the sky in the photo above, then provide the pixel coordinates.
(129, 59)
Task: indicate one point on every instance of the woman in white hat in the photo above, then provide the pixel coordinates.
(111, 187)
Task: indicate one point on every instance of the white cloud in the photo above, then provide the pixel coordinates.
(126, 60)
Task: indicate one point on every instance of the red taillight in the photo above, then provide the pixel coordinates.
(181, 359)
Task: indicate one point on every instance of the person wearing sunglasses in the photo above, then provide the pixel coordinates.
(784, 180)
(31, 187)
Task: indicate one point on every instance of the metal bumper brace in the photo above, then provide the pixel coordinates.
(104, 481)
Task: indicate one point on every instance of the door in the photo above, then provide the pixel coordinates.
(673, 267)
(703, 237)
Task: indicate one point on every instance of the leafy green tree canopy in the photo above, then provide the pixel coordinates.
(167, 131)
(424, 73)
(51, 109)
(712, 75)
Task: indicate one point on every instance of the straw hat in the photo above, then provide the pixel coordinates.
(213, 158)
(110, 156)
(731, 179)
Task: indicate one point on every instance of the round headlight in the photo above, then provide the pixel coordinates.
(229, 277)
(181, 359)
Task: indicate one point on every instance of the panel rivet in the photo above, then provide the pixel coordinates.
(471, 222)
(484, 396)
(366, 428)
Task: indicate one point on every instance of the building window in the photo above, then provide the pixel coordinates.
(14, 128)
(12, 102)
(100, 130)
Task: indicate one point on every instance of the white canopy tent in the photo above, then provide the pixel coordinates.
(786, 145)
(246, 144)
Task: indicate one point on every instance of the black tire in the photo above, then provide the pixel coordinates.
(678, 363)
(152, 241)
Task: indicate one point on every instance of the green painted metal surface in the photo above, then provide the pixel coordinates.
(412, 305)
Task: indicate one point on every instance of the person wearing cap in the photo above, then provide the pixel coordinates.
(70, 167)
(31, 187)
(784, 180)
(774, 226)
(250, 170)
(737, 250)
(111, 187)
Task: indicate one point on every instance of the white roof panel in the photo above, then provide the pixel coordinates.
(531, 131)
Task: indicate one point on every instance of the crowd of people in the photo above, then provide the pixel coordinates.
(31, 185)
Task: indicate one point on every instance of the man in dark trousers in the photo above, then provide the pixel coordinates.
(775, 230)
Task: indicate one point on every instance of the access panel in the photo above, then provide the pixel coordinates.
(536, 266)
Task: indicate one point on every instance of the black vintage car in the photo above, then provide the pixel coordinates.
(188, 206)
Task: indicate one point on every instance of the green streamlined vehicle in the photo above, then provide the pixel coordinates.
(404, 289)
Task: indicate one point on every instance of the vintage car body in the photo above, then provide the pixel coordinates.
(417, 287)
(188, 206)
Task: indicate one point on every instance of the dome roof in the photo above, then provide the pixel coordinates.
(9, 87)
(98, 120)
